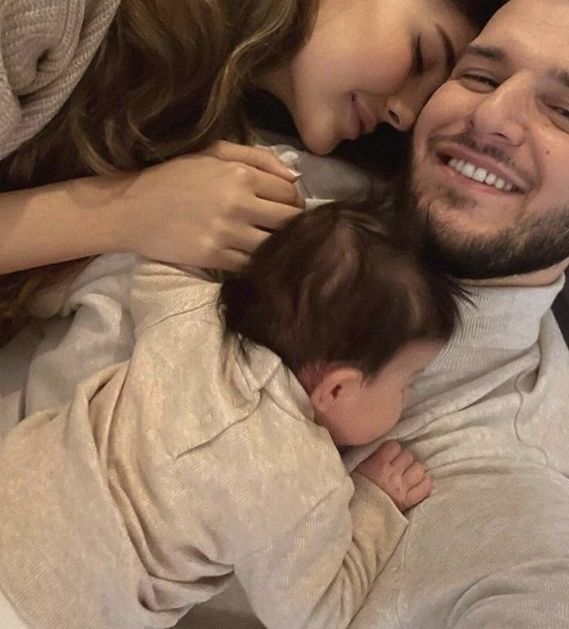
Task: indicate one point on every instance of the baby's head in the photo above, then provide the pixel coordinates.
(342, 296)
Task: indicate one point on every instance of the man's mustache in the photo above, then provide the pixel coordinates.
(465, 139)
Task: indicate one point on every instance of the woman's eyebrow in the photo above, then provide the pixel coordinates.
(450, 52)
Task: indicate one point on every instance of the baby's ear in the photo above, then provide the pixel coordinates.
(335, 389)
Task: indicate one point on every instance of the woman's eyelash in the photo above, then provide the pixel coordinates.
(419, 58)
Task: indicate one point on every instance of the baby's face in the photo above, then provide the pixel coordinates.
(375, 406)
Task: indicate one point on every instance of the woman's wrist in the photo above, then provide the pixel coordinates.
(107, 208)
(62, 221)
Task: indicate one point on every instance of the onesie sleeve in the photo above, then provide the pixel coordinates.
(319, 572)
(160, 291)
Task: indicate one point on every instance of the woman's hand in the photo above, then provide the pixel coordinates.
(210, 209)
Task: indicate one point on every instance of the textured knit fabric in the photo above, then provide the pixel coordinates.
(561, 310)
(8, 617)
(490, 418)
(193, 461)
(45, 47)
(489, 548)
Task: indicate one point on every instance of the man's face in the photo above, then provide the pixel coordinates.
(491, 148)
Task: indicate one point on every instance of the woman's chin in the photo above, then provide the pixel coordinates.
(319, 143)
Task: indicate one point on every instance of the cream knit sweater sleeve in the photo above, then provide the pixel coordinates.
(45, 47)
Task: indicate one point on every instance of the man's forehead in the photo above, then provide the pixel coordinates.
(532, 28)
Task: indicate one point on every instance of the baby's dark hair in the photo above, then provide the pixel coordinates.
(340, 284)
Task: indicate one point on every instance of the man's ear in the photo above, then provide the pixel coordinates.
(336, 387)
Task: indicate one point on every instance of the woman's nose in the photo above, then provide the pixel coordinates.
(400, 113)
(403, 108)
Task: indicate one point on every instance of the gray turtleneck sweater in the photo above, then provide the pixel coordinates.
(490, 418)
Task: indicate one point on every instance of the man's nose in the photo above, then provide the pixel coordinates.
(502, 115)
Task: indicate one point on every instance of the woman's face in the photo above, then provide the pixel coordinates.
(366, 62)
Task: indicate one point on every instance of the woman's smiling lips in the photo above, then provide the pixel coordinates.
(365, 120)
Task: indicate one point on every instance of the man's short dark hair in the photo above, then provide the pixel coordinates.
(340, 284)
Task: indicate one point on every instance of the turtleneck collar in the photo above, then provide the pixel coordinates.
(498, 318)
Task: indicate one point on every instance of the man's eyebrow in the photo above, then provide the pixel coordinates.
(561, 76)
(450, 53)
(493, 53)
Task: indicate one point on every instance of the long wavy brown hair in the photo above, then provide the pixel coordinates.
(170, 78)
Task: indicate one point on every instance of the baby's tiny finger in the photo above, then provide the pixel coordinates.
(388, 451)
(419, 492)
(404, 460)
(414, 474)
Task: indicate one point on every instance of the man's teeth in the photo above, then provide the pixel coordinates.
(480, 174)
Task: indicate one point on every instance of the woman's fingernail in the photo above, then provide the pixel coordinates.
(294, 172)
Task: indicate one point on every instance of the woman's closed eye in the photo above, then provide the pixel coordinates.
(418, 57)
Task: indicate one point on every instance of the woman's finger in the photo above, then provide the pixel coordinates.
(269, 215)
(231, 260)
(272, 188)
(247, 238)
(258, 157)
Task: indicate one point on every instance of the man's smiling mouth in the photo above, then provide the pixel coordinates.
(486, 170)
(480, 171)
(481, 175)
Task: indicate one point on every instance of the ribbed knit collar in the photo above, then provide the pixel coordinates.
(500, 317)
(498, 338)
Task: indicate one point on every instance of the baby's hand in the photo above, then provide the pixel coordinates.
(397, 472)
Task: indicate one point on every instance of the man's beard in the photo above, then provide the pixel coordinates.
(528, 246)
(531, 244)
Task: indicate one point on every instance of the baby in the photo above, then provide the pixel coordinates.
(213, 451)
